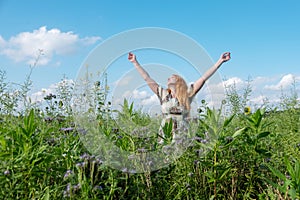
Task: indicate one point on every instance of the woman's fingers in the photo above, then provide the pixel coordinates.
(226, 56)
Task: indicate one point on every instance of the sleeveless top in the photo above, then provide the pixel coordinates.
(171, 109)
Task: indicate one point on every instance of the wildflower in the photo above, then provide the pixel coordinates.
(66, 130)
(178, 141)
(150, 163)
(196, 138)
(82, 131)
(67, 192)
(60, 118)
(190, 174)
(85, 156)
(131, 157)
(76, 187)
(124, 170)
(48, 119)
(68, 174)
(81, 164)
(247, 110)
(132, 171)
(6, 172)
(99, 161)
(141, 150)
(204, 141)
(206, 134)
(98, 187)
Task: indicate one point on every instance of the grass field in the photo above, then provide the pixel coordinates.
(255, 153)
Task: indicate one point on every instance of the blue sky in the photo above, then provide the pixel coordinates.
(263, 36)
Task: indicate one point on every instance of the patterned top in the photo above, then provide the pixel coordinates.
(172, 110)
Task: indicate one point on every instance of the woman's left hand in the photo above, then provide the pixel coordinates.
(225, 57)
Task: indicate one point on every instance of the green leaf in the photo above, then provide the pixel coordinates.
(251, 120)
(224, 173)
(47, 194)
(256, 118)
(263, 134)
(3, 143)
(263, 152)
(277, 173)
(292, 192)
(239, 132)
(294, 172)
(131, 109)
(167, 129)
(228, 120)
(289, 167)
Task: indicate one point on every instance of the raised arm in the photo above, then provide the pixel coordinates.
(200, 82)
(151, 83)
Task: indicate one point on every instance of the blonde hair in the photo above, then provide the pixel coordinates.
(182, 93)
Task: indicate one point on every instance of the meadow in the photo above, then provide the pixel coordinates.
(255, 153)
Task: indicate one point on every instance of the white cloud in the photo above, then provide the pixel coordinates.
(232, 81)
(140, 97)
(152, 100)
(2, 41)
(216, 92)
(139, 94)
(123, 81)
(127, 94)
(264, 89)
(52, 89)
(285, 82)
(258, 100)
(39, 95)
(25, 46)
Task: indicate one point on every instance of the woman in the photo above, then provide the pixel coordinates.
(177, 98)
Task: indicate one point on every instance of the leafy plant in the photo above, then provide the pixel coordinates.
(290, 182)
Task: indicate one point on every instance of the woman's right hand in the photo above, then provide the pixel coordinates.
(131, 57)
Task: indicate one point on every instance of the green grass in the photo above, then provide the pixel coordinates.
(245, 156)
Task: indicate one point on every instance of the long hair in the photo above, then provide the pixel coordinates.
(182, 92)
